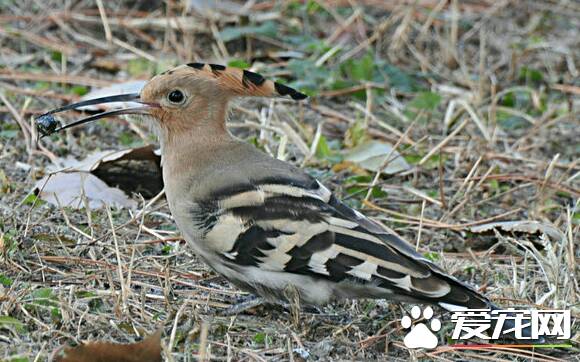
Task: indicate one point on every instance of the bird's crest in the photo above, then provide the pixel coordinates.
(237, 81)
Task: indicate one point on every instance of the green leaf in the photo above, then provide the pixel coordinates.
(166, 249)
(18, 359)
(356, 134)
(79, 90)
(307, 43)
(493, 185)
(531, 75)
(42, 85)
(9, 126)
(9, 134)
(433, 256)
(55, 314)
(10, 322)
(32, 199)
(378, 193)
(511, 122)
(520, 100)
(5, 281)
(56, 56)
(433, 194)
(43, 293)
(509, 99)
(85, 294)
(426, 101)
(360, 69)
(398, 79)
(342, 84)
(268, 28)
(322, 149)
(137, 67)
(359, 179)
(312, 7)
(309, 77)
(356, 190)
(260, 338)
(43, 296)
(129, 139)
(239, 63)
(370, 68)
(431, 163)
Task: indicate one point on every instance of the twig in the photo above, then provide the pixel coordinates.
(105, 21)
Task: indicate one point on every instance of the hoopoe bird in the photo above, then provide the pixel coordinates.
(262, 223)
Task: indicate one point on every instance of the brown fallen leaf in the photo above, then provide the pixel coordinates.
(148, 350)
(529, 227)
(137, 170)
(524, 230)
(104, 177)
(68, 188)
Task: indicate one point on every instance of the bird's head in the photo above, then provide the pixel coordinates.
(186, 97)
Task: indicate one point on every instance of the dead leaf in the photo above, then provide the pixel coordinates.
(104, 177)
(148, 350)
(521, 226)
(68, 188)
(136, 170)
(371, 156)
(97, 159)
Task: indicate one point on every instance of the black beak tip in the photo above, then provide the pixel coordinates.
(46, 124)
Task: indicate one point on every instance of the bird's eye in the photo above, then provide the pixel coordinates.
(176, 96)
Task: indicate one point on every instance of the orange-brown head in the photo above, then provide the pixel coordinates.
(186, 97)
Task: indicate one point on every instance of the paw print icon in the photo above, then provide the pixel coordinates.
(419, 335)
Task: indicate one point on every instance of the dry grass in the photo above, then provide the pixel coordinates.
(501, 143)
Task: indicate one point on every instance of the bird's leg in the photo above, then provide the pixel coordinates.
(247, 303)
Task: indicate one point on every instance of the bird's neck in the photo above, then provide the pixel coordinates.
(192, 148)
(189, 154)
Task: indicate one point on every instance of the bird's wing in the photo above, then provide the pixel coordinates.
(297, 227)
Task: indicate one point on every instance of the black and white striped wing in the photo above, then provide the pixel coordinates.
(302, 229)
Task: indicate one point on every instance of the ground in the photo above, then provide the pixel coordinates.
(480, 98)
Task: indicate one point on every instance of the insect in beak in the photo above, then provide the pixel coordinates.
(47, 124)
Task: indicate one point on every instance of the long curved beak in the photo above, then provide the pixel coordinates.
(47, 124)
